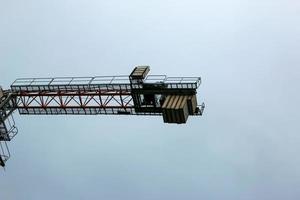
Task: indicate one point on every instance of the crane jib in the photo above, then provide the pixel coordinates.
(173, 98)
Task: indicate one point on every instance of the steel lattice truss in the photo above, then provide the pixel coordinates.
(76, 102)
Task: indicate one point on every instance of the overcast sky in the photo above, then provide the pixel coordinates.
(246, 145)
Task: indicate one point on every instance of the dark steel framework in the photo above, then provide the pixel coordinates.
(130, 95)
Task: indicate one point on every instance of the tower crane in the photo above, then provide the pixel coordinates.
(173, 98)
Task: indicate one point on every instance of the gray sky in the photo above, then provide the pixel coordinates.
(246, 146)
